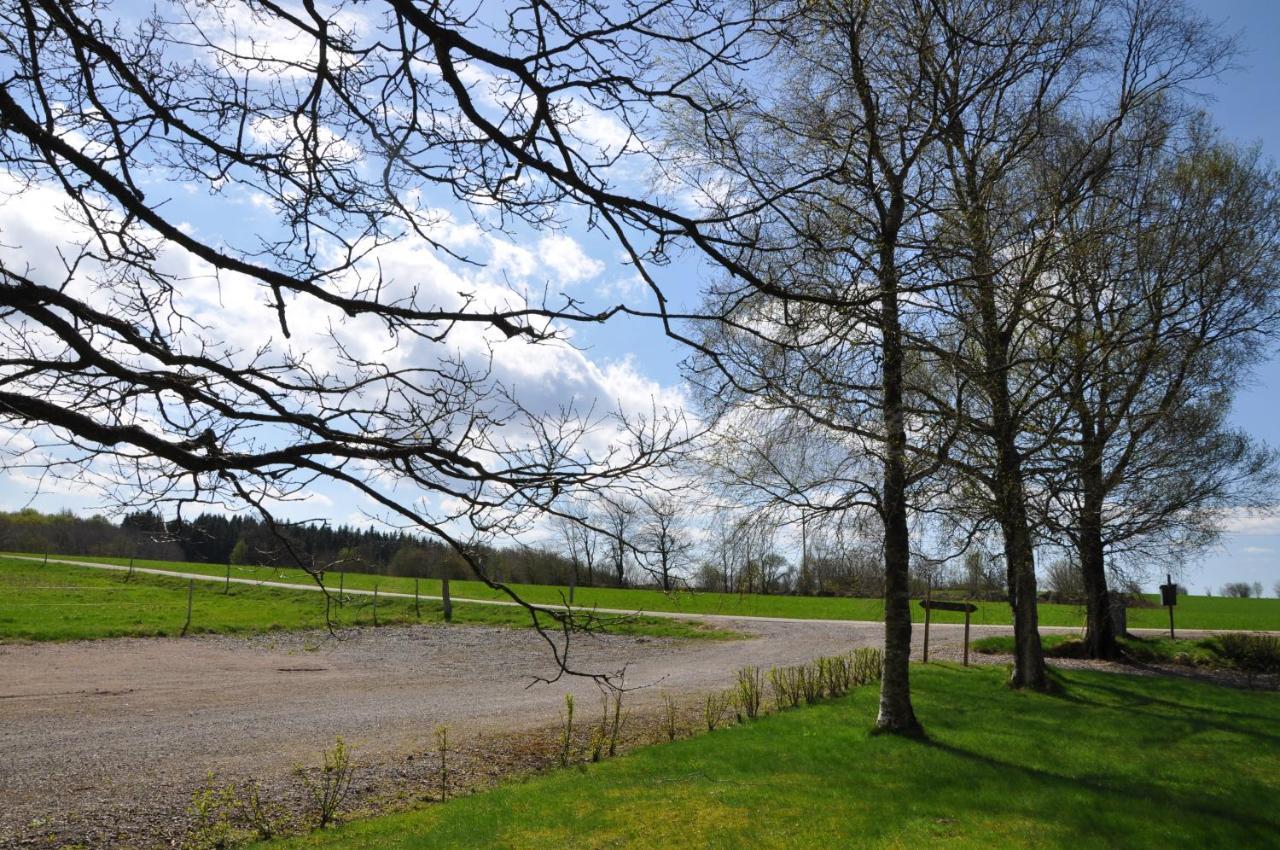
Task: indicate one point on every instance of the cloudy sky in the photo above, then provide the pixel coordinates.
(629, 362)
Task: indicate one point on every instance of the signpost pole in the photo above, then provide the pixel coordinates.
(966, 637)
(928, 586)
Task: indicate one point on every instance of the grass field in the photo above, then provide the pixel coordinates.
(1114, 762)
(1193, 612)
(56, 602)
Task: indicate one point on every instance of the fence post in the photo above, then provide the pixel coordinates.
(375, 604)
(191, 589)
(341, 577)
(417, 612)
(227, 588)
(928, 588)
(448, 603)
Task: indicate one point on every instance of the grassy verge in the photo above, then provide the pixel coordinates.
(1194, 612)
(1115, 761)
(1197, 652)
(56, 602)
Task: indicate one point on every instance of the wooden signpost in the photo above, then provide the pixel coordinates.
(938, 605)
(1169, 598)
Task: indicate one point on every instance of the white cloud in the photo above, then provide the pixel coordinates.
(561, 254)
(1248, 523)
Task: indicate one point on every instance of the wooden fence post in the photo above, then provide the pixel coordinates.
(191, 589)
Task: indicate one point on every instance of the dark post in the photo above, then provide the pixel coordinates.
(966, 637)
(341, 576)
(448, 603)
(375, 604)
(928, 587)
(573, 581)
(417, 612)
(227, 588)
(191, 589)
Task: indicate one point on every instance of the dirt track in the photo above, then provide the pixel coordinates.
(104, 738)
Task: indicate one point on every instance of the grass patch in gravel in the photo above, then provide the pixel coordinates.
(1114, 761)
(1194, 612)
(41, 602)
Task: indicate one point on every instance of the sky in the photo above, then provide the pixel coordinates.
(631, 362)
(1246, 105)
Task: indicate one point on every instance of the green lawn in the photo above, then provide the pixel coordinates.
(56, 602)
(1193, 612)
(1114, 762)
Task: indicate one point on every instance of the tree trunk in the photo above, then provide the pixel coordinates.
(1008, 487)
(1100, 634)
(1028, 653)
(896, 712)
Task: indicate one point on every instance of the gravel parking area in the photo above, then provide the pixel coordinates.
(103, 742)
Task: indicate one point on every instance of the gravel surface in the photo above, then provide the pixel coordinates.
(103, 742)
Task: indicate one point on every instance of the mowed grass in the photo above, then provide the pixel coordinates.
(56, 602)
(1113, 762)
(1193, 612)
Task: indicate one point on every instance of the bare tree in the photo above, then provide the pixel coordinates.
(664, 538)
(579, 541)
(619, 517)
(353, 127)
(826, 343)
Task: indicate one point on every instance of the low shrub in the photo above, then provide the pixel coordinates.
(749, 693)
(1251, 654)
(328, 789)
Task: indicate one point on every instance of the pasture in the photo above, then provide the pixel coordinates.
(54, 601)
(1193, 612)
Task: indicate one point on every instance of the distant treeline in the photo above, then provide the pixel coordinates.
(236, 539)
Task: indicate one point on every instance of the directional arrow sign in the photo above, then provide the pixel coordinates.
(937, 605)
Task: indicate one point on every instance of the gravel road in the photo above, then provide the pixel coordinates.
(103, 742)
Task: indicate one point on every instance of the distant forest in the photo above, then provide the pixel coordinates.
(236, 539)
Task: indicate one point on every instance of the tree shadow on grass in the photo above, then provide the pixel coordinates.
(1213, 823)
(1133, 702)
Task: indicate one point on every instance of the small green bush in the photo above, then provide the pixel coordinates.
(749, 693)
(328, 790)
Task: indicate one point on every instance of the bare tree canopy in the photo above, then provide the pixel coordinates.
(367, 134)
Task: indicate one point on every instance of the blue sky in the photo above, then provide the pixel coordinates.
(1246, 104)
(632, 359)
